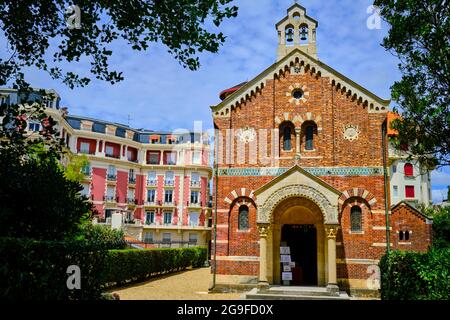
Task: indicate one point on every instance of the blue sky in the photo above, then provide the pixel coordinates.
(159, 94)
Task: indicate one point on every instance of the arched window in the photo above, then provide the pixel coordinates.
(400, 235)
(304, 36)
(406, 235)
(309, 133)
(287, 136)
(309, 129)
(289, 32)
(243, 223)
(356, 218)
(287, 145)
(409, 170)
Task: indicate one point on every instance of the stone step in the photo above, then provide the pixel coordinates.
(256, 294)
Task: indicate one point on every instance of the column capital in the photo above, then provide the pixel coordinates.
(331, 231)
(263, 229)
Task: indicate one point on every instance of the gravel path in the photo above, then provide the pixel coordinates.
(186, 285)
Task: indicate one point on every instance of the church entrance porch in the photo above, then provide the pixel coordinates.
(302, 243)
(297, 245)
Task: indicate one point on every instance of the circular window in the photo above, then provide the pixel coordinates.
(297, 94)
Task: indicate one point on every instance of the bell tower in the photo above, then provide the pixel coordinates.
(296, 31)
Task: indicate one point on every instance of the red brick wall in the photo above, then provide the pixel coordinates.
(334, 110)
(405, 218)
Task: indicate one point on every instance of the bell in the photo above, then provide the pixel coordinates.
(304, 34)
(290, 35)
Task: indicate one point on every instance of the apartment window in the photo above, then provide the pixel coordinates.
(194, 197)
(85, 191)
(131, 176)
(409, 192)
(167, 217)
(168, 196)
(196, 157)
(409, 170)
(169, 178)
(243, 223)
(394, 168)
(356, 218)
(110, 193)
(153, 157)
(151, 195)
(151, 178)
(86, 170)
(130, 195)
(109, 151)
(111, 172)
(193, 219)
(395, 191)
(85, 147)
(34, 126)
(171, 158)
(148, 237)
(193, 238)
(149, 217)
(167, 237)
(195, 179)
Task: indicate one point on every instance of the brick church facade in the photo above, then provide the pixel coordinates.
(300, 165)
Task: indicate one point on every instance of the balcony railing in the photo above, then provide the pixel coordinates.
(151, 182)
(112, 177)
(194, 204)
(108, 155)
(169, 182)
(109, 199)
(133, 160)
(86, 152)
(132, 201)
(149, 202)
(86, 171)
(195, 183)
(132, 180)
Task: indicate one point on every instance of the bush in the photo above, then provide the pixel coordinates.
(137, 265)
(416, 276)
(36, 270)
(103, 235)
(441, 228)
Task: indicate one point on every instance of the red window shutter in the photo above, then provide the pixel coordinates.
(409, 171)
(409, 191)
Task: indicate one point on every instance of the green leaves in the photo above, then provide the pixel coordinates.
(32, 26)
(420, 37)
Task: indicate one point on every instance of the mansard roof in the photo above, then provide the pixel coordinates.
(310, 65)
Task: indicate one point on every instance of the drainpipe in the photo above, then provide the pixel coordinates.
(216, 174)
(386, 200)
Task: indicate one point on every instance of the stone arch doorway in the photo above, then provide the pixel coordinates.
(298, 223)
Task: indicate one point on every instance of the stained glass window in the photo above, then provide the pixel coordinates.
(243, 218)
(356, 218)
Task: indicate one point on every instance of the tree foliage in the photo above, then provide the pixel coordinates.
(36, 199)
(420, 37)
(73, 169)
(37, 34)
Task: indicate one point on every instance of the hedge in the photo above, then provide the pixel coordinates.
(136, 265)
(416, 276)
(37, 270)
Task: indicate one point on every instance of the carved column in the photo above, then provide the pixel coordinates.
(263, 232)
(297, 139)
(331, 232)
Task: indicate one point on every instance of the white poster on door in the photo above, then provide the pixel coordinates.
(286, 276)
(285, 250)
